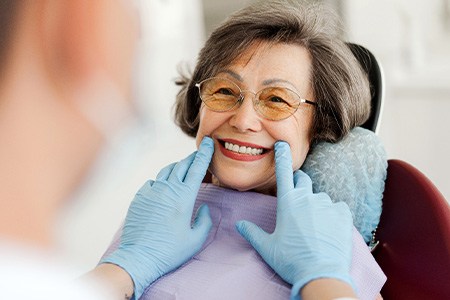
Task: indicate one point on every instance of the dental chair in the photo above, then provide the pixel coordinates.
(376, 79)
(413, 236)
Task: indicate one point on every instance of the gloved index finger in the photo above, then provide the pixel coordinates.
(199, 166)
(283, 168)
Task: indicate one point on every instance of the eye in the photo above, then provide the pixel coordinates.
(224, 91)
(276, 99)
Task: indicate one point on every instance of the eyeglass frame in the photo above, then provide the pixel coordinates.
(242, 97)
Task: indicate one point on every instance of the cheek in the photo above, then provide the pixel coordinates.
(296, 132)
(201, 129)
(299, 156)
(208, 122)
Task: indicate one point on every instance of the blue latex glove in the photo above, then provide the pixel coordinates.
(158, 235)
(313, 236)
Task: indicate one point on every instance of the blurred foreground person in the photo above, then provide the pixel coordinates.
(65, 80)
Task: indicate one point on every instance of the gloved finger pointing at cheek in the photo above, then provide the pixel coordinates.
(199, 166)
(283, 168)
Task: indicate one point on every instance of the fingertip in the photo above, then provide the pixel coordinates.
(281, 144)
(281, 147)
(282, 152)
(206, 149)
(239, 225)
(207, 142)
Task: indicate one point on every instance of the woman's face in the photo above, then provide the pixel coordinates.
(260, 66)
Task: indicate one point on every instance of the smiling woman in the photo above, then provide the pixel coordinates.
(275, 71)
(294, 48)
(337, 81)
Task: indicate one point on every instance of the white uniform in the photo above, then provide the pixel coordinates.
(29, 274)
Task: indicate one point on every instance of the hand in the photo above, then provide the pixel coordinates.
(158, 236)
(313, 236)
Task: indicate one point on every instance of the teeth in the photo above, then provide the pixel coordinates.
(243, 149)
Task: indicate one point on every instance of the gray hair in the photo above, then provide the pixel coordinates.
(8, 19)
(339, 84)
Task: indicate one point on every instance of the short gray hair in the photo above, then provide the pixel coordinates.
(339, 83)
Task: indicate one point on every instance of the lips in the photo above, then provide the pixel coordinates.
(242, 151)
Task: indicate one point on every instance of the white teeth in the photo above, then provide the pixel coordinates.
(243, 149)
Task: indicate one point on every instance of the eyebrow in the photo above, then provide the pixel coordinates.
(276, 80)
(233, 74)
(265, 82)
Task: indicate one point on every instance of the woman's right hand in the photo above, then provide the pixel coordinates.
(313, 236)
(158, 235)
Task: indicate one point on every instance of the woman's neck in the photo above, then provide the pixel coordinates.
(269, 190)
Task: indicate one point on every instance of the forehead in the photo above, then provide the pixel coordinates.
(280, 52)
(265, 62)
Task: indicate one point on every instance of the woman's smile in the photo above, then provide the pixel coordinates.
(243, 151)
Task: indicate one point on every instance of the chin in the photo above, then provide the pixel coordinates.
(232, 184)
(236, 184)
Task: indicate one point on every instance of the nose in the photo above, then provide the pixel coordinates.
(245, 118)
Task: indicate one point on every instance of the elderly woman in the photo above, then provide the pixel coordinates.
(271, 72)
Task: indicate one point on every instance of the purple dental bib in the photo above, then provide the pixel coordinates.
(228, 267)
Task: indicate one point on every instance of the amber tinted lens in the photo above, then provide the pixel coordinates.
(219, 94)
(277, 103)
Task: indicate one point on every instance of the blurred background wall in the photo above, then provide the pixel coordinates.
(410, 38)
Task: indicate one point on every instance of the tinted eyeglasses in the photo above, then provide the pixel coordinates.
(273, 103)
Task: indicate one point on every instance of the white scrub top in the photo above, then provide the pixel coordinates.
(29, 274)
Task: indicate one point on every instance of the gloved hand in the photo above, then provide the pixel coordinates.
(158, 236)
(313, 236)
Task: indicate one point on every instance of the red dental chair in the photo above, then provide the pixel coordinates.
(414, 231)
(414, 236)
